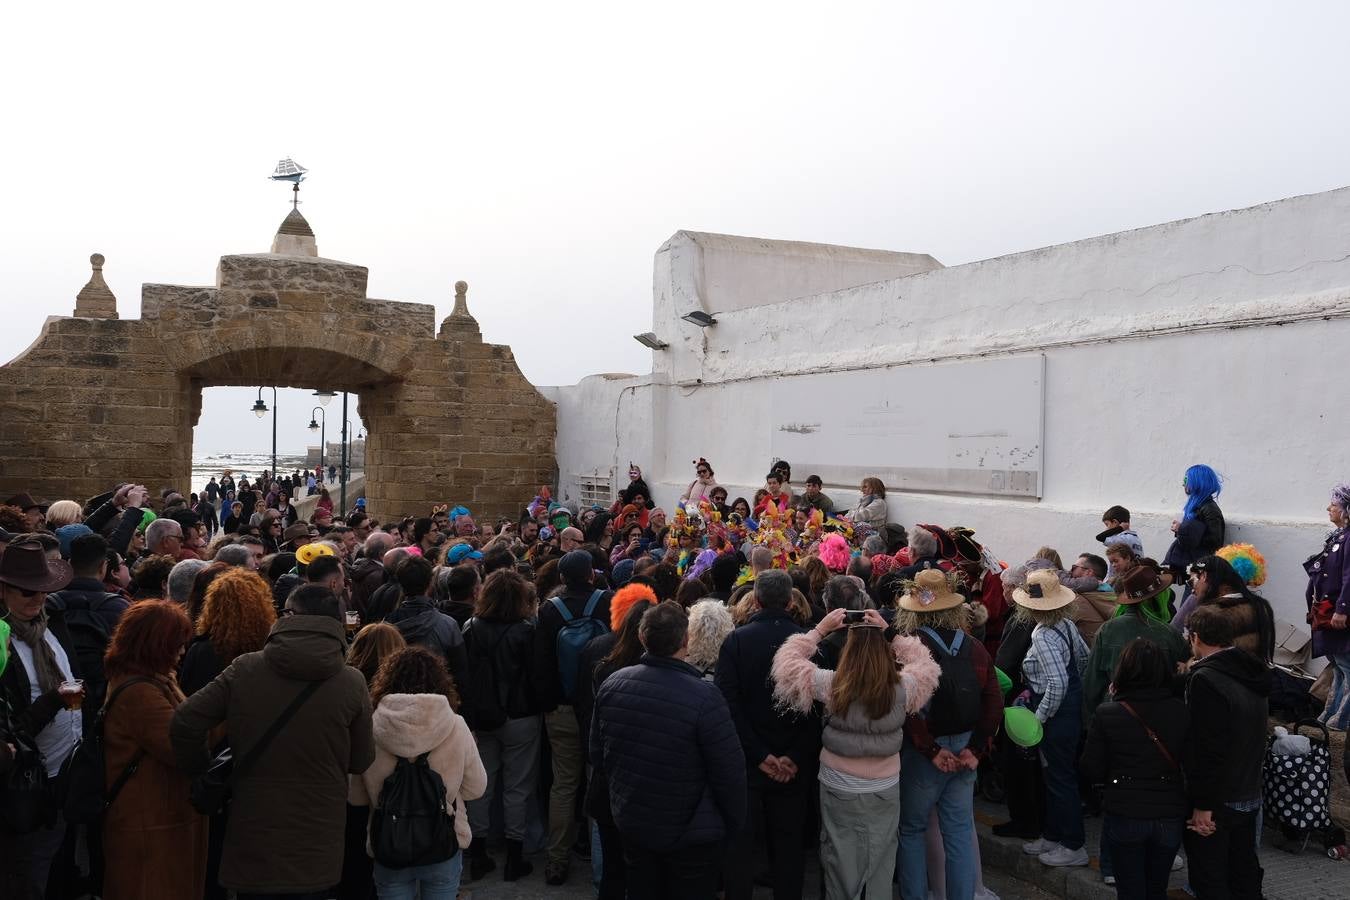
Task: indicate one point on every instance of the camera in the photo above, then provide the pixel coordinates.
(853, 616)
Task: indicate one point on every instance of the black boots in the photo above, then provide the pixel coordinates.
(516, 865)
(480, 864)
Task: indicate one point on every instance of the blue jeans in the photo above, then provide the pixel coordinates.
(1337, 713)
(922, 787)
(1142, 851)
(438, 881)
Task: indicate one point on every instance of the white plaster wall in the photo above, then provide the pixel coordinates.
(1211, 340)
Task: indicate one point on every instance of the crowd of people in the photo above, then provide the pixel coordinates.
(698, 702)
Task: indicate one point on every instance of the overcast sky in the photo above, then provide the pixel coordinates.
(542, 152)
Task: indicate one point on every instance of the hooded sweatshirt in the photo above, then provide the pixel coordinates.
(408, 725)
(1227, 698)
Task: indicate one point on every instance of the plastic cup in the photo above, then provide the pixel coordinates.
(1022, 726)
(72, 692)
(1004, 682)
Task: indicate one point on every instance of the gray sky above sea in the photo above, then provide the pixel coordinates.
(543, 152)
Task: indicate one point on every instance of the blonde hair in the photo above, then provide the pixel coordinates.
(709, 624)
(64, 512)
(1051, 554)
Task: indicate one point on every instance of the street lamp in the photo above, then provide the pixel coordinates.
(323, 430)
(260, 410)
(325, 397)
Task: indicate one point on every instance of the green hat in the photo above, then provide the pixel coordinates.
(4, 645)
(147, 516)
(1022, 726)
(1004, 682)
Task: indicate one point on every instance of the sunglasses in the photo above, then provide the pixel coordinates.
(27, 595)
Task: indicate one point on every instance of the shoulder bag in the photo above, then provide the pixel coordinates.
(210, 791)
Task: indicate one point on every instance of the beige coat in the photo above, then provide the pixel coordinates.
(408, 725)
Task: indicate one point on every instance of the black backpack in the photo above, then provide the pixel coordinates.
(84, 776)
(484, 697)
(412, 826)
(576, 632)
(956, 705)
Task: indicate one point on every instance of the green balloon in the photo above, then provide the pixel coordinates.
(1022, 726)
(1004, 682)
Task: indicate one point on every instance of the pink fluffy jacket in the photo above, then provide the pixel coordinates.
(409, 725)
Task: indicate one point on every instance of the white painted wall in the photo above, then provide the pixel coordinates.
(1211, 340)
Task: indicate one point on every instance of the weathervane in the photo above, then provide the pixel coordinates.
(289, 170)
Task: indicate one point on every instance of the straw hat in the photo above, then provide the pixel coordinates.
(1043, 591)
(931, 593)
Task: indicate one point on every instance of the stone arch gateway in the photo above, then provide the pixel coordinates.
(97, 399)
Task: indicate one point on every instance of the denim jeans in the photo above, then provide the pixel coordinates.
(1337, 712)
(923, 786)
(1142, 851)
(438, 881)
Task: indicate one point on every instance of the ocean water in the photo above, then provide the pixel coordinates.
(211, 465)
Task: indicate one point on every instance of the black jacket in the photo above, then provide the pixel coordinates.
(743, 678)
(200, 665)
(31, 716)
(90, 615)
(1140, 782)
(1012, 649)
(547, 685)
(423, 625)
(1199, 536)
(665, 742)
(589, 679)
(119, 538)
(512, 647)
(1227, 698)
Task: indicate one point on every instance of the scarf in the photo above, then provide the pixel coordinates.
(34, 634)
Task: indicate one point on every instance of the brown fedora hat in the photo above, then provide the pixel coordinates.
(25, 566)
(26, 502)
(1139, 584)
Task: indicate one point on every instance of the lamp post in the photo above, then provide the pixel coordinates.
(342, 476)
(323, 430)
(260, 410)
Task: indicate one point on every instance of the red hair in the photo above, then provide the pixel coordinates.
(624, 599)
(149, 637)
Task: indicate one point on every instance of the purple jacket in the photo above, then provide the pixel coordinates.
(1329, 578)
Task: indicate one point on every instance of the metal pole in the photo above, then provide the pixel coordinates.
(274, 431)
(343, 476)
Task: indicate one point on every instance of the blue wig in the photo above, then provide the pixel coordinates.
(1202, 484)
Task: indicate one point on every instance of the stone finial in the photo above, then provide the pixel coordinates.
(295, 237)
(461, 299)
(95, 300)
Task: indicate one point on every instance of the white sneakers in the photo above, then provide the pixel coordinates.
(1063, 856)
(1038, 846)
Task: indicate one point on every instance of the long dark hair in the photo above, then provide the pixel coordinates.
(1224, 579)
(596, 530)
(1142, 666)
(627, 648)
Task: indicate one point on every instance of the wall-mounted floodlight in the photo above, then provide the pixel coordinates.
(648, 339)
(700, 318)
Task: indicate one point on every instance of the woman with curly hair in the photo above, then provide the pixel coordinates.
(236, 618)
(151, 576)
(153, 840)
(415, 713)
(709, 624)
(868, 701)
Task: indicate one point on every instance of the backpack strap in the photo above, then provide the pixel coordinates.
(562, 609)
(116, 787)
(957, 640)
(592, 603)
(256, 750)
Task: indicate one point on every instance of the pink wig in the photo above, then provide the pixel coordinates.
(834, 553)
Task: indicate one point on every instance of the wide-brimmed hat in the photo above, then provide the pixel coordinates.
(25, 566)
(967, 549)
(26, 502)
(295, 532)
(1043, 591)
(946, 546)
(1139, 584)
(931, 593)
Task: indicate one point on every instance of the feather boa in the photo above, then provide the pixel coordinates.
(794, 675)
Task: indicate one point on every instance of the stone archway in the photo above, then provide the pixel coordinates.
(97, 399)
